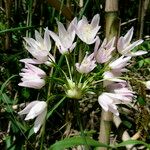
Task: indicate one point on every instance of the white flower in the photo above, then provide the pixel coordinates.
(112, 76)
(103, 54)
(36, 109)
(87, 32)
(121, 88)
(32, 77)
(116, 68)
(87, 65)
(49, 62)
(124, 46)
(40, 47)
(120, 95)
(147, 83)
(119, 63)
(30, 61)
(64, 41)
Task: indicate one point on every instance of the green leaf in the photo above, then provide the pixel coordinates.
(26, 93)
(141, 101)
(133, 142)
(31, 132)
(6, 83)
(77, 140)
(6, 99)
(127, 124)
(16, 29)
(147, 60)
(55, 107)
(9, 145)
(141, 63)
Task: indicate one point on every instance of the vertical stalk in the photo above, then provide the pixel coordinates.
(111, 30)
(69, 70)
(8, 13)
(112, 26)
(143, 5)
(29, 18)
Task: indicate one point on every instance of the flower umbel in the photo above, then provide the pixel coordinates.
(32, 77)
(36, 109)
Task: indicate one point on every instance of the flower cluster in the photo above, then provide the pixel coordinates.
(104, 65)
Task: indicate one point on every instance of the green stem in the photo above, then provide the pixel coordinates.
(42, 135)
(29, 17)
(83, 9)
(50, 113)
(80, 78)
(80, 125)
(68, 67)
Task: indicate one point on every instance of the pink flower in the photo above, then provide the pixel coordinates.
(121, 88)
(87, 65)
(120, 95)
(36, 109)
(124, 46)
(40, 47)
(32, 77)
(103, 54)
(116, 68)
(64, 41)
(112, 76)
(87, 32)
(119, 63)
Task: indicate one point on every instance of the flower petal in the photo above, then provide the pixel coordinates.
(36, 110)
(30, 61)
(95, 21)
(138, 53)
(38, 37)
(61, 29)
(128, 36)
(39, 121)
(27, 108)
(47, 41)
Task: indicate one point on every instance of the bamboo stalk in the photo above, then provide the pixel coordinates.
(112, 27)
(111, 30)
(8, 13)
(143, 5)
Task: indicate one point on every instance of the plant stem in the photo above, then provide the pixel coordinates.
(42, 135)
(143, 6)
(29, 17)
(86, 147)
(68, 67)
